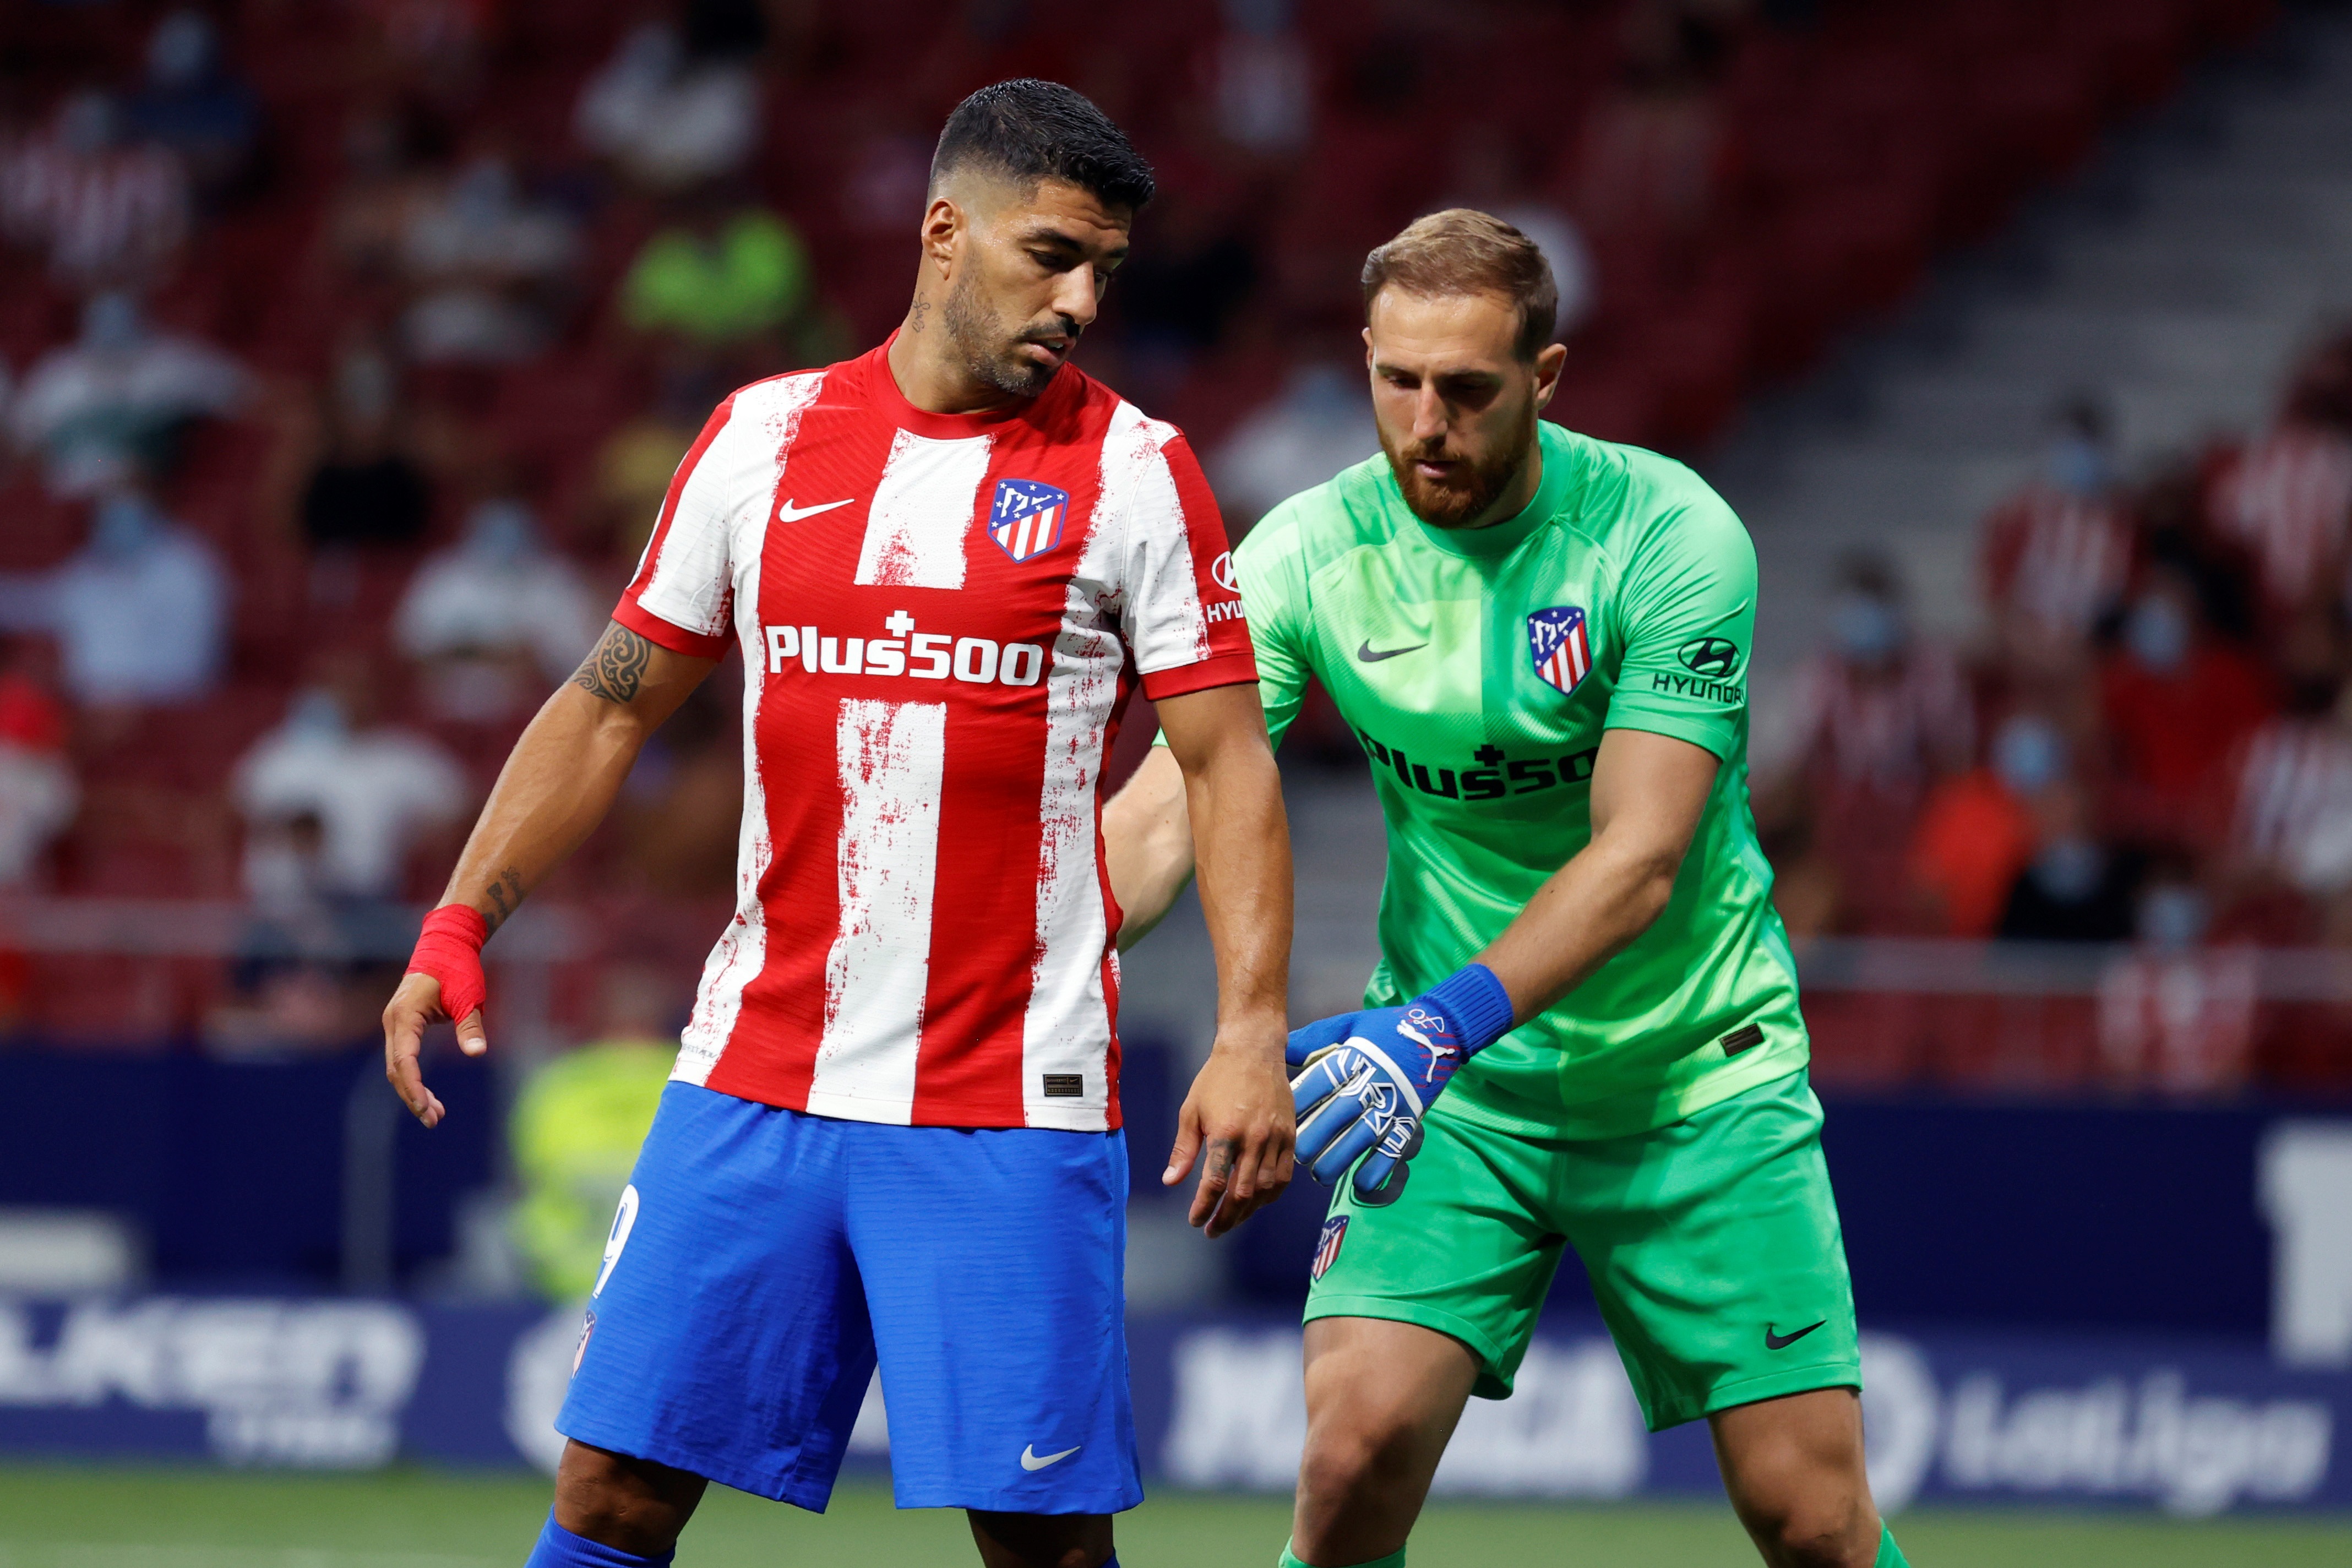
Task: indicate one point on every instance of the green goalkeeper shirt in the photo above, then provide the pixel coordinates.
(1478, 669)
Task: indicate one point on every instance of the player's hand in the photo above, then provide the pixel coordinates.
(1239, 1112)
(1366, 1079)
(444, 977)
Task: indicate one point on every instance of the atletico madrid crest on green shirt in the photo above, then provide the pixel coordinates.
(1562, 652)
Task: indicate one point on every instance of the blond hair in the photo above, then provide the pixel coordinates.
(1461, 251)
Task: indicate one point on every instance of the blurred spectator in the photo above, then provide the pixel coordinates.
(1977, 833)
(366, 489)
(386, 181)
(195, 105)
(1878, 716)
(681, 803)
(497, 618)
(1485, 179)
(2076, 887)
(37, 791)
(1262, 78)
(2057, 554)
(674, 108)
(2291, 819)
(634, 466)
(108, 408)
(106, 212)
(1177, 294)
(1321, 422)
(576, 1128)
(1650, 160)
(2175, 700)
(2286, 498)
(721, 275)
(139, 613)
(486, 264)
(335, 801)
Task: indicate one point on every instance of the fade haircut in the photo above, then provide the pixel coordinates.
(1459, 251)
(1031, 131)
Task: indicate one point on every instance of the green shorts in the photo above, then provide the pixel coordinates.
(1712, 1244)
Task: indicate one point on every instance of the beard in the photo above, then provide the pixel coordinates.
(989, 350)
(1470, 489)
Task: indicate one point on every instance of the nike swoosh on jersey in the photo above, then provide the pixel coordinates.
(1032, 1460)
(1773, 1341)
(1367, 654)
(787, 512)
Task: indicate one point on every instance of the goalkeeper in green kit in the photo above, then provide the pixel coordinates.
(1583, 1031)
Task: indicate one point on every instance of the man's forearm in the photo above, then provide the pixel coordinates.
(1147, 844)
(1579, 919)
(558, 782)
(1242, 842)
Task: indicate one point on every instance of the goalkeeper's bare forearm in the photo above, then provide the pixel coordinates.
(558, 783)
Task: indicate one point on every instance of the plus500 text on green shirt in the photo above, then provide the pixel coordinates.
(1484, 769)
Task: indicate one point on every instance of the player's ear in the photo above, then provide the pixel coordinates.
(944, 222)
(1368, 348)
(1550, 361)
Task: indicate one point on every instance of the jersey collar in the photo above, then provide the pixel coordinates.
(1502, 538)
(882, 389)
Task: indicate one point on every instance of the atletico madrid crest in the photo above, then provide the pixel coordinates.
(1327, 1250)
(1025, 518)
(1557, 643)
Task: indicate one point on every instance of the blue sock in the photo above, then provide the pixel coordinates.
(559, 1548)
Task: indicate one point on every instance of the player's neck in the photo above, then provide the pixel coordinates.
(1518, 496)
(929, 373)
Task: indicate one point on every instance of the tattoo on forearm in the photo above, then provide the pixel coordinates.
(505, 893)
(1223, 1154)
(615, 667)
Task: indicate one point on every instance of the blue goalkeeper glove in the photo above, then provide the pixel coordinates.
(1364, 1080)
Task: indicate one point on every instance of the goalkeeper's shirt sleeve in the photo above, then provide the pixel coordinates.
(1685, 616)
(1272, 579)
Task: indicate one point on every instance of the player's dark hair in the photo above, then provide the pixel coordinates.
(1033, 131)
(1459, 251)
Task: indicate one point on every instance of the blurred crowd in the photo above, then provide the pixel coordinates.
(347, 348)
(2151, 740)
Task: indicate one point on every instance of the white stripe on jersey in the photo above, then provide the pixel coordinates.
(892, 759)
(742, 950)
(722, 509)
(921, 513)
(1067, 1027)
(1162, 601)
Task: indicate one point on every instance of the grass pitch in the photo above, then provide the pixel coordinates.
(61, 1517)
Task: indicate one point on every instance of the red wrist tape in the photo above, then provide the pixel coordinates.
(449, 950)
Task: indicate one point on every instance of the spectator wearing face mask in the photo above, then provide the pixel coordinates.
(195, 105)
(674, 107)
(335, 801)
(2076, 886)
(1876, 718)
(486, 264)
(366, 488)
(497, 620)
(2058, 554)
(2175, 701)
(110, 406)
(141, 613)
(1978, 831)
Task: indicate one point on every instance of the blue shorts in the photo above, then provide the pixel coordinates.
(763, 1258)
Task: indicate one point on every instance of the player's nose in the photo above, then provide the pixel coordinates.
(1428, 417)
(1080, 297)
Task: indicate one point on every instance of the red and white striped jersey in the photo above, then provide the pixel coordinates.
(2288, 499)
(941, 617)
(2058, 559)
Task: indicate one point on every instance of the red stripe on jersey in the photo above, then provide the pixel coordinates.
(678, 639)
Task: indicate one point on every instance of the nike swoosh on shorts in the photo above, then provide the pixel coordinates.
(1032, 1460)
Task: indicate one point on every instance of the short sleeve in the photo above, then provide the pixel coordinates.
(682, 596)
(1274, 589)
(1685, 612)
(1186, 622)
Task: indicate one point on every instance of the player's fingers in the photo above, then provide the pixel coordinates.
(1332, 1163)
(1373, 1173)
(404, 1033)
(1325, 1076)
(472, 1038)
(1187, 1146)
